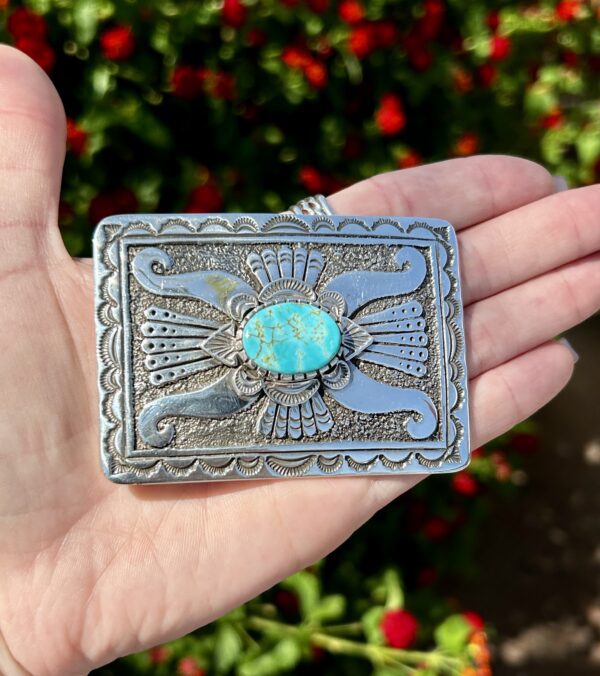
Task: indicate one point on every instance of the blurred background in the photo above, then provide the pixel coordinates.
(248, 105)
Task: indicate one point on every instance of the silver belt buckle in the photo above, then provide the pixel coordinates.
(302, 344)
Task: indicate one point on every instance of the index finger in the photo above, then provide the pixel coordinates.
(462, 191)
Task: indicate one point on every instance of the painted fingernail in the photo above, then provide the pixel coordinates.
(565, 342)
(560, 184)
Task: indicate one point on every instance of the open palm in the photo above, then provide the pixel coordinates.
(92, 570)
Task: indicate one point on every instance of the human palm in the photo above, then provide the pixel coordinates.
(90, 570)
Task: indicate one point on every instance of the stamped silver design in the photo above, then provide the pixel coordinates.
(184, 399)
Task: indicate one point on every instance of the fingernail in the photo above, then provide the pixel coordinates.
(560, 184)
(565, 342)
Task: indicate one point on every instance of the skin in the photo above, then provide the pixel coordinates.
(91, 570)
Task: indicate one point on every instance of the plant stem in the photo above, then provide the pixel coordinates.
(338, 645)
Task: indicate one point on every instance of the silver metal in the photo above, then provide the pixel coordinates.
(180, 400)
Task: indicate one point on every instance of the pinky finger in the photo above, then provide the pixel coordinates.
(511, 392)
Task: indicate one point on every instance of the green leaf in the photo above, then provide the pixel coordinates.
(370, 623)
(228, 647)
(307, 588)
(330, 608)
(393, 586)
(588, 146)
(284, 656)
(453, 634)
(86, 14)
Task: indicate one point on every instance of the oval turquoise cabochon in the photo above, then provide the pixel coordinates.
(291, 338)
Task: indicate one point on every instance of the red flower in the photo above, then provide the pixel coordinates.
(427, 576)
(486, 74)
(117, 43)
(318, 6)
(399, 628)
(159, 654)
(418, 53)
(429, 26)
(38, 50)
(186, 82)
(390, 117)
(187, 666)
(462, 80)
(23, 23)
(296, 57)
(223, 86)
(385, 33)
(465, 484)
(474, 619)
(287, 602)
(567, 10)
(410, 158)
(570, 58)
(362, 40)
(499, 47)
(76, 138)
(503, 468)
(436, 528)
(493, 19)
(316, 74)
(552, 120)
(256, 37)
(205, 198)
(120, 200)
(311, 179)
(467, 144)
(233, 13)
(351, 11)
(524, 442)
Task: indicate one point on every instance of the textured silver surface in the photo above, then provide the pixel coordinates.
(181, 401)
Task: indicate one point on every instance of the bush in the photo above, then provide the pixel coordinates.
(207, 106)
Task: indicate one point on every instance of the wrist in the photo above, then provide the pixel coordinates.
(8, 664)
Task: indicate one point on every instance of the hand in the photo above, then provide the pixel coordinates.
(90, 570)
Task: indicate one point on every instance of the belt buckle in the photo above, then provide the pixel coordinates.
(301, 344)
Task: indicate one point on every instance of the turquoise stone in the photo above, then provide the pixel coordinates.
(291, 338)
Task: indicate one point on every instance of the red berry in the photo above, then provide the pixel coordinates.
(399, 628)
(552, 120)
(312, 181)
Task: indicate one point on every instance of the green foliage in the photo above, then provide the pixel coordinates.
(208, 106)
